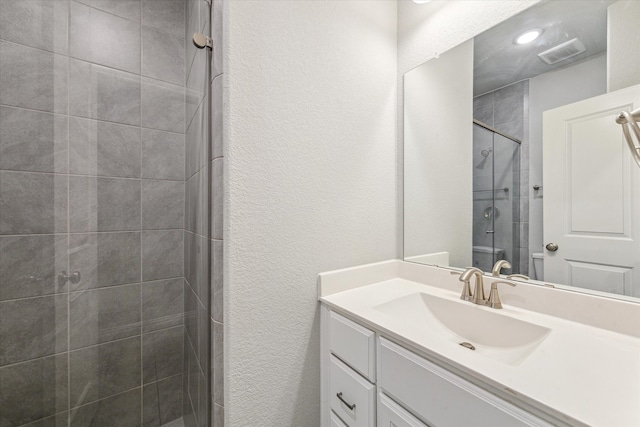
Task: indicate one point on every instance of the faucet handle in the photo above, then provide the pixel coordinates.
(494, 297)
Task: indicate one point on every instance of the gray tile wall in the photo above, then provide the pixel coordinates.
(92, 178)
(203, 344)
(507, 110)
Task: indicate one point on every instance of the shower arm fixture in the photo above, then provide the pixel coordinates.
(628, 120)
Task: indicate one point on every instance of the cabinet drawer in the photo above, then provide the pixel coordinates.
(354, 344)
(335, 421)
(437, 395)
(390, 414)
(348, 388)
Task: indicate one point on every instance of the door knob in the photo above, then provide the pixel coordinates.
(551, 247)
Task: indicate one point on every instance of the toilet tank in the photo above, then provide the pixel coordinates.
(483, 257)
(538, 265)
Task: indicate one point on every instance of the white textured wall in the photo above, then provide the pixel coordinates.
(310, 128)
(438, 143)
(425, 30)
(623, 47)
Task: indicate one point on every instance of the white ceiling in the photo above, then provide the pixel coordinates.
(498, 61)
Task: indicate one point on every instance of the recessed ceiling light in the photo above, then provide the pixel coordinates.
(528, 36)
(421, 1)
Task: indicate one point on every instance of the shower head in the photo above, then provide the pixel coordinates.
(485, 153)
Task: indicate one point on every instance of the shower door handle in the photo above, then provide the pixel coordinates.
(490, 231)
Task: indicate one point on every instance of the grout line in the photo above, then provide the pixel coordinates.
(69, 115)
(78, 175)
(93, 402)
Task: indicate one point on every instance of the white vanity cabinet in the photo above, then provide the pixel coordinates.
(368, 381)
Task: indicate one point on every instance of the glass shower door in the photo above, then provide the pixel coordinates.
(92, 212)
(495, 187)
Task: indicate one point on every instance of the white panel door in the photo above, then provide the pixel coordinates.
(591, 196)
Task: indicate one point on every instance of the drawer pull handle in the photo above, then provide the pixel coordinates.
(352, 407)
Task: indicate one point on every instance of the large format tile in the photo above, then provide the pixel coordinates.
(105, 259)
(217, 418)
(193, 377)
(196, 139)
(191, 315)
(164, 15)
(162, 304)
(29, 265)
(196, 261)
(163, 56)
(217, 281)
(32, 327)
(217, 58)
(204, 339)
(192, 26)
(33, 141)
(217, 363)
(162, 253)
(59, 420)
(104, 370)
(162, 354)
(122, 410)
(33, 390)
(162, 155)
(102, 148)
(202, 413)
(102, 315)
(217, 214)
(37, 23)
(32, 78)
(104, 204)
(197, 203)
(216, 118)
(197, 82)
(162, 106)
(162, 204)
(162, 402)
(129, 9)
(102, 93)
(102, 38)
(32, 203)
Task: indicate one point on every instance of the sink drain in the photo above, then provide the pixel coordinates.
(467, 345)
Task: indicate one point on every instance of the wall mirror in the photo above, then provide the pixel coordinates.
(511, 150)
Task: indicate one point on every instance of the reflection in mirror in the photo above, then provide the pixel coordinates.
(541, 177)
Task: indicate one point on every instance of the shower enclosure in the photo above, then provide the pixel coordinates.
(496, 185)
(104, 256)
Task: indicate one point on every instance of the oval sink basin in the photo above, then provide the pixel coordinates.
(493, 335)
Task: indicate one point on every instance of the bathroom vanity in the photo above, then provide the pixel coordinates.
(399, 348)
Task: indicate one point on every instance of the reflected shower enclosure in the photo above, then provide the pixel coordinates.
(495, 196)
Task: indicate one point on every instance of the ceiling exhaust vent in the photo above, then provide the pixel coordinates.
(563, 51)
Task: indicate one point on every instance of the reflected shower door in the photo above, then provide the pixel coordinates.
(92, 212)
(495, 194)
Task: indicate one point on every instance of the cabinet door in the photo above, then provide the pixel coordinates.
(390, 414)
(336, 421)
(442, 398)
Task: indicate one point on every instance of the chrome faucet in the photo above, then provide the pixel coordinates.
(478, 294)
(498, 266)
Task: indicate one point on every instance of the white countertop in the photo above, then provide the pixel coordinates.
(586, 371)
